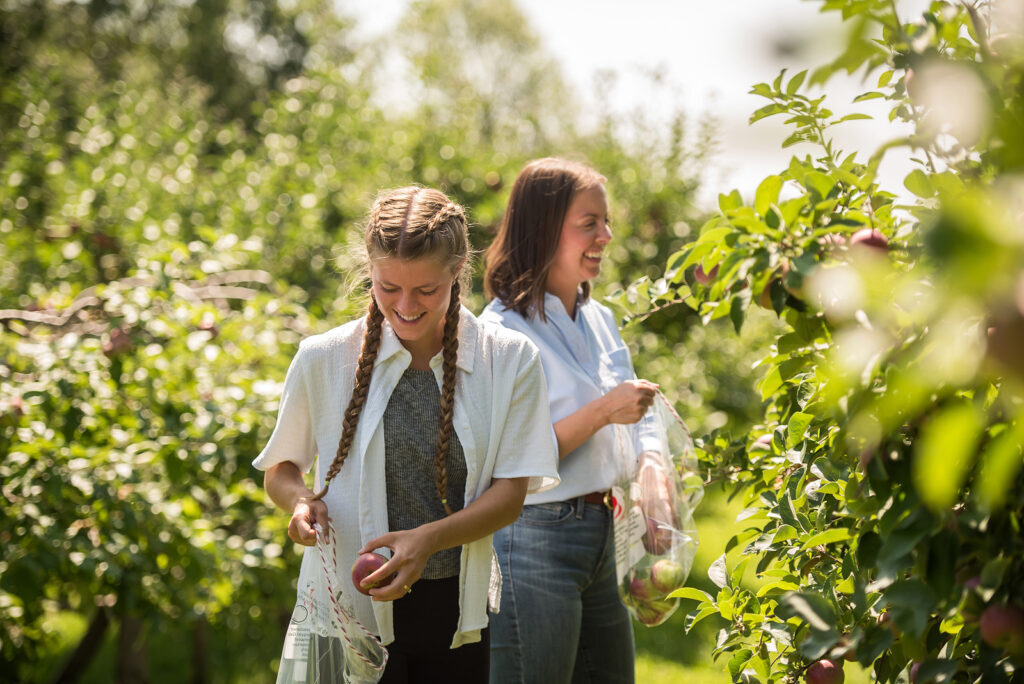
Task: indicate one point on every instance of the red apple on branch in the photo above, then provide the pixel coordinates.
(870, 238)
(1003, 627)
(825, 672)
(705, 278)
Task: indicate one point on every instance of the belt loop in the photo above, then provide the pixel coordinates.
(579, 506)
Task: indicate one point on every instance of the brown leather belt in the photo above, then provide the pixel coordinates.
(602, 498)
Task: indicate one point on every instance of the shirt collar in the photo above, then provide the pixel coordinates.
(391, 346)
(554, 305)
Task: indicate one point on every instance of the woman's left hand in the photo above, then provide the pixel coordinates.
(410, 550)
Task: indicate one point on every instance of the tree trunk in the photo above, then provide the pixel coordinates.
(200, 658)
(79, 660)
(132, 667)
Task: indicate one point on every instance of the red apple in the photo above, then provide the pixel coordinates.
(667, 575)
(825, 672)
(658, 539)
(1003, 627)
(705, 278)
(642, 588)
(118, 342)
(654, 612)
(366, 564)
(871, 238)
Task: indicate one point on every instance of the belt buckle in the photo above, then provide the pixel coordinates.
(608, 499)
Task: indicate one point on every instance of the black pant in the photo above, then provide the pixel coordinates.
(425, 621)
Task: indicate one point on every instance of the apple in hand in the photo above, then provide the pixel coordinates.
(366, 564)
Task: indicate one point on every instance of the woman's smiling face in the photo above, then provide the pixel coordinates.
(414, 296)
(585, 232)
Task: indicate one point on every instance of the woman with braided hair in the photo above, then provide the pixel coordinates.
(428, 429)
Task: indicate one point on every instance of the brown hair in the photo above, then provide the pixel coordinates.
(517, 262)
(410, 223)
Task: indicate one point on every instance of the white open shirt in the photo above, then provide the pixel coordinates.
(501, 418)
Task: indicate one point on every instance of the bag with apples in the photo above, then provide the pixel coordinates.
(655, 535)
(325, 643)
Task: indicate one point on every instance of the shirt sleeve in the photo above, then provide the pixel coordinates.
(292, 439)
(528, 446)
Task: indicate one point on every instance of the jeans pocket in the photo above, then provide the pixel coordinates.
(547, 514)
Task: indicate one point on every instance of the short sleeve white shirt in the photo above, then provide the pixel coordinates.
(500, 417)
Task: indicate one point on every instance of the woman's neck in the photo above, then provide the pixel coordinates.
(567, 293)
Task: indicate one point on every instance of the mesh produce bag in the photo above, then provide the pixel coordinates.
(325, 643)
(655, 535)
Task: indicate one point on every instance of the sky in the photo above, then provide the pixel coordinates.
(709, 54)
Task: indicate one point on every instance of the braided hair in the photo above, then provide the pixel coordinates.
(410, 223)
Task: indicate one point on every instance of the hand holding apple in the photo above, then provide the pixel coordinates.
(365, 565)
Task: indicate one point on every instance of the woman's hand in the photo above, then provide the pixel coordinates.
(410, 550)
(306, 514)
(628, 402)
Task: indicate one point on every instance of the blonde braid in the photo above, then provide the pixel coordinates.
(364, 372)
(444, 432)
(441, 217)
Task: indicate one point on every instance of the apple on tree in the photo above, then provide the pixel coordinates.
(825, 672)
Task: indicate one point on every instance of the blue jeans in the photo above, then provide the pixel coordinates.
(561, 619)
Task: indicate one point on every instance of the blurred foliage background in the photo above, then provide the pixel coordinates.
(182, 191)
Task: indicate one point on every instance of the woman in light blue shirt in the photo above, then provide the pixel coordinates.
(561, 619)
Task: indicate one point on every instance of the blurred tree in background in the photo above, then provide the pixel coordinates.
(182, 190)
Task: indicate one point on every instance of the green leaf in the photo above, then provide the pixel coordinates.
(692, 593)
(738, 661)
(777, 83)
(811, 608)
(798, 428)
(918, 183)
(856, 116)
(737, 311)
(873, 95)
(999, 465)
(767, 194)
(828, 537)
(765, 112)
(796, 82)
(944, 453)
(730, 202)
(819, 183)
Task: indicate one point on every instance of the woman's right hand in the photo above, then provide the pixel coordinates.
(305, 514)
(628, 402)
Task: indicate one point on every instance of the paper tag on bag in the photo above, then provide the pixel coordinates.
(629, 527)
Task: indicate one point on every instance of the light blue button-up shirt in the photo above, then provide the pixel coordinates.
(583, 359)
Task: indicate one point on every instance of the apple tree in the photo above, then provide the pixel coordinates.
(883, 489)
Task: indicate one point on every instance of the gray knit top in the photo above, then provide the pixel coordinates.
(410, 442)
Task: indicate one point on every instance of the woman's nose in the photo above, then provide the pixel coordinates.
(604, 235)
